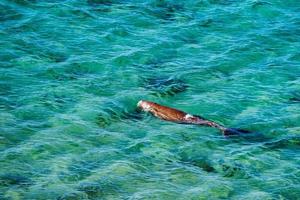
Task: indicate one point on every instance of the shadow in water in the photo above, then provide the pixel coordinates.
(203, 164)
(285, 143)
(224, 169)
(232, 170)
(101, 2)
(91, 189)
(294, 99)
(164, 10)
(249, 137)
(117, 114)
(222, 2)
(14, 180)
(24, 2)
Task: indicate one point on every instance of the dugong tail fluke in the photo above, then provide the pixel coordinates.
(178, 116)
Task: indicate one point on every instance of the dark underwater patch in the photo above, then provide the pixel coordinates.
(189, 36)
(32, 113)
(5, 89)
(206, 23)
(248, 138)
(203, 164)
(222, 2)
(40, 49)
(80, 170)
(57, 56)
(257, 4)
(232, 170)
(101, 2)
(24, 2)
(285, 143)
(97, 189)
(80, 13)
(58, 74)
(294, 99)
(14, 179)
(110, 116)
(289, 192)
(159, 58)
(8, 13)
(93, 190)
(116, 114)
(72, 196)
(136, 148)
(19, 135)
(221, 167)
(295, 56)
(165, 87)
(83, 68)
(164, 10)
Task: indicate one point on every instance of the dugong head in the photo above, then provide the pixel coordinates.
(144, 105)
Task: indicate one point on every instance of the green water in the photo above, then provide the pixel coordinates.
(72, 71)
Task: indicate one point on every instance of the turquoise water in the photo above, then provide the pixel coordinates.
(71, 73)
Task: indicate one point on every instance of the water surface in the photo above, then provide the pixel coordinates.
(72, 71)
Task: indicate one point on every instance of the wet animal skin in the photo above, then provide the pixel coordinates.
(178, 116)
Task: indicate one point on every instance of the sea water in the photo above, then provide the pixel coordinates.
(72, 72)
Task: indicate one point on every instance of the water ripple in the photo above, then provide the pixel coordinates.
(72, 71)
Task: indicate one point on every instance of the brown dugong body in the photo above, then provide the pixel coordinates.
(178, 116)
